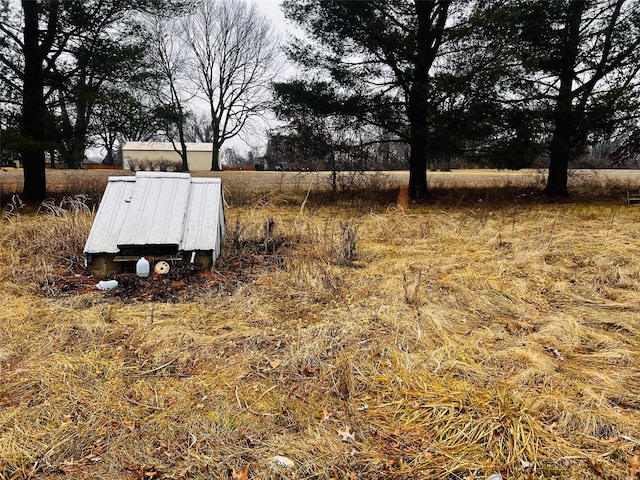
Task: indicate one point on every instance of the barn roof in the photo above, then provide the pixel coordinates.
(165, 146)
(159, 209)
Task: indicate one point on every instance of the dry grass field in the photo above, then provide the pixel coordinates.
(61, 182)
(485, 333)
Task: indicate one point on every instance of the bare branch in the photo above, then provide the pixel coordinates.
(234, 51)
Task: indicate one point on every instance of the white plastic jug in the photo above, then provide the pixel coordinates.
(142, 267)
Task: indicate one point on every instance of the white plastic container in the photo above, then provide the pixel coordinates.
(142, 267)
(107, 284)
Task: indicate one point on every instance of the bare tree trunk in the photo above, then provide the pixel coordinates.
(565, 128)
(215, 156)
(417, 115)
(560, 151)
(431, 21)
(79, 132)
(216, 146)
(183, 147)
(180, 127)
(33, 121)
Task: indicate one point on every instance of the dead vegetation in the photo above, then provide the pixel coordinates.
(351, 340)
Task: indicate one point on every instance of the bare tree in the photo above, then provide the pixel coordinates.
(198, 128)
(36, 45)
(168, 52)
(234, 51)
(122, 116)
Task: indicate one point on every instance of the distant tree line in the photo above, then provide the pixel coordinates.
(503, 83)
(382, 84)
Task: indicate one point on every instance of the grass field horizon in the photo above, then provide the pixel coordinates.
(357, 336)
(62, 182)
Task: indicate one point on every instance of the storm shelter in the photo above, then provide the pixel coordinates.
(159, 216)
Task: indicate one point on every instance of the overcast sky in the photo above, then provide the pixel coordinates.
(271, 10)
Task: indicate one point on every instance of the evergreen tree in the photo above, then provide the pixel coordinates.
(572, 64)
(381, 58)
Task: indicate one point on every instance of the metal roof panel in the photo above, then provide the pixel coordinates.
(110, 215)
(157, 211)
(203, 222)
(159, 208)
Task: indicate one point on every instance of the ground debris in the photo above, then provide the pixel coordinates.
(183, 282)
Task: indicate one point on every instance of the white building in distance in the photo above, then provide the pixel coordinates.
(162, 156)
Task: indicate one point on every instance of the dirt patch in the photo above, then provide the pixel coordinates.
(183, 282)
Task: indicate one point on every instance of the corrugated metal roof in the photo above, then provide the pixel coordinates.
(117, 196)
(165, 146)
(159, 208)
(202, 225)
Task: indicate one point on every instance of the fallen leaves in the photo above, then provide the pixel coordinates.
(346, 434)
(241, 473)
(326, 415)
(183, 282)
(349, 476)
(274, 364)
(308, 371)
(634, 467)
(595, 466)
(142, 472)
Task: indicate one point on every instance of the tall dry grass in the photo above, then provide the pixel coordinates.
(453, 340)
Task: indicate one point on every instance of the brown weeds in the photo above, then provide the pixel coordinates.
(459, 340)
